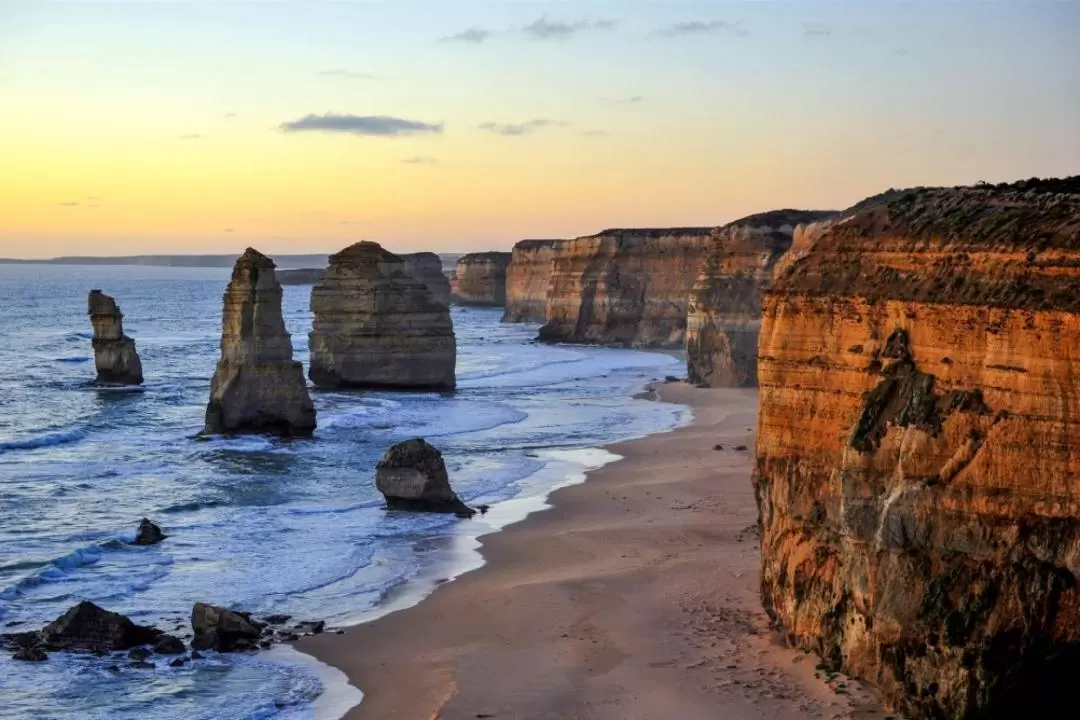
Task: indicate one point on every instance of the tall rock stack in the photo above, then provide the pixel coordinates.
(376, 326)
(114, 352)
(724, 313)
(528, 278)
(257, 386)
(427, 268)
(480, 279)
(918, 456)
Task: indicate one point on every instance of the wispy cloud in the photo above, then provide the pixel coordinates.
(230, 115)
(473, 35)
(346, 74)
(632, 100)
(544, 29)
(189, 136)
(525, 128)
(229, 230)
(420, 160)
(699, 27)
(378, 125)
(594, 133)
(69, 203)
(817, 30)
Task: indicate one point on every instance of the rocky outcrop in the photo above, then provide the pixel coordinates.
(528, 278)
(918, 458)
(628, 288)
(724, 313)
(376, 326)
(217, 628)
(412, 476)
(480, 279)
(427, 268)
(114, 352)
(299, 276)
(148, 534)
(88, 628)
(257, 386)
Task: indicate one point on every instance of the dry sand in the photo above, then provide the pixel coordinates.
(634, 597)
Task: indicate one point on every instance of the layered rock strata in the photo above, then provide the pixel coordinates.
(918, 459)
(528, 278)
(427, 268)
(480, 279)
(724, 312)
(377, 326)
(115, 356)
(257, 386)
(628, 288)
(412, 476)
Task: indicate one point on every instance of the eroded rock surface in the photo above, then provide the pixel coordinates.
(115, 356)
(624, 287)
(480, 279)
(89, 628)
(528, 278)
(148, 533)
(257, 386)
(918, 458)
(412, 476)
(724, 314)
(427, 268)
(223, 630)
(377, 326)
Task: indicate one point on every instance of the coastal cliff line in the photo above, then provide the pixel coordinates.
(918, 454)
(480, 279)
(528, 279)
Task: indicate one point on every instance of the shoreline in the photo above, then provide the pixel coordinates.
(635, 595)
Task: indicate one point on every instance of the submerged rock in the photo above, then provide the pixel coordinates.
(89, 628)
(217, 628)
(376, 326)
(257, 386)
(30, 654)
(412, 476)
(148, 534)
(169, 645)
(480, 279)
(114, 352)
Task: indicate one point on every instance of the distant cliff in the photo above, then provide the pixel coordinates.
(480, 279)
(724, 314)
(624, 287)
(428, 268)
(301, 276)
(918, 455)
(527, 281)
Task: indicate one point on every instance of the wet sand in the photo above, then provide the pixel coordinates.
(634, 597)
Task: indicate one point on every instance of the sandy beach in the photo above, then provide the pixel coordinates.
(634, 596)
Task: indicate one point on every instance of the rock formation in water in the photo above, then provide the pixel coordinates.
(148, 534)
(412, 476)
(88, 628)
(223, 630)
(918, 458)
(299, 276)
(377, 326)
(724, 313)
(257, 386)
(528, 278)
(427, 268)
(480, 279)
(624, 287)
(114, 352)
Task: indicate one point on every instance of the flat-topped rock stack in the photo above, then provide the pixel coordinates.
(629, 288)
(724, 312)
(376, 326)
(528, 278)
(257, 386)
(918, 455)
(427, 268)
(480, 279)
(115, 356)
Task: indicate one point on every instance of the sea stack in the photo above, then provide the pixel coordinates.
(724, 314)
(114, 352)
(528, 278)
(257, 386)
(412, 476)
(480, 279)
(918, 455)
(427, 268)
(377, 326)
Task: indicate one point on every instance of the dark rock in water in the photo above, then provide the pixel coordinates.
(671, 379)
(278, 619)
(217, 628)
(314, 627)
(88, 628)
(740, 448)
(169, 645)
(114, 352)
(290, 637)
(178, 662)
(141, 665)
(30, 654)
(718, 447)
(139, 653)
(196, 655)
(483, 509)
(412, 476)
(149, 533)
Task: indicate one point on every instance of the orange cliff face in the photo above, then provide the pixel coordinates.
(724, 313)
(624, 287)
(527, 281)
(480, 279)
(918, 458)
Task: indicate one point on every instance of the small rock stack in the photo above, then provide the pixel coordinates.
(114, 352)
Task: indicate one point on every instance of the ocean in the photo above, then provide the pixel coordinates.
(267, 526)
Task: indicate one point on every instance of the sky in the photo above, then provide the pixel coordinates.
(208, 126)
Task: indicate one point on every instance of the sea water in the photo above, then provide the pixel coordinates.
(267, 526)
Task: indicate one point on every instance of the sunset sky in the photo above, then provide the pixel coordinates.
(198, 127)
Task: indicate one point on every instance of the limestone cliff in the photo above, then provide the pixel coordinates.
(427, 268)
(724, 313)
(257, 386)
(624, 287)
(480, 279)
(377, 326)
(115, 356)
(918, 458)
(528, 278)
